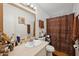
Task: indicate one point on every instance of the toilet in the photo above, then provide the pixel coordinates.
(50, 49)
(76, 46)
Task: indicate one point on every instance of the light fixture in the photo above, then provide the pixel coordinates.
(28, 4)
(35, 8)
(31, 6)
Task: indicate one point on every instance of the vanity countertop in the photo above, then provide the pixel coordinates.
(21, 50)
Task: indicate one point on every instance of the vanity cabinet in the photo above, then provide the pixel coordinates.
(21, 50)
(1, 17)
(42, 52)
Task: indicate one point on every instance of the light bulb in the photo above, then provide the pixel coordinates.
(35, 8)
(31, 6)
(28, 4)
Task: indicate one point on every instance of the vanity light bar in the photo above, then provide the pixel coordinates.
(29, 5)
(24, 7)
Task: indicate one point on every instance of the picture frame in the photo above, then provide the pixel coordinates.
(21, 20)
(41, 24)
(28, 28)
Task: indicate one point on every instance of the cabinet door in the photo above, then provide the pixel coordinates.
(1, 17)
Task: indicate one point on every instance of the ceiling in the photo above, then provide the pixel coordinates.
(53, 8)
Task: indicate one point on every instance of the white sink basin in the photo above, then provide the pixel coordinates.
(32, 44)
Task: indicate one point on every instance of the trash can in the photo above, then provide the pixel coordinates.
(50, 49)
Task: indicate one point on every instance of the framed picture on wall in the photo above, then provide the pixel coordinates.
(21, 20)
(28, 28)
(41, 24)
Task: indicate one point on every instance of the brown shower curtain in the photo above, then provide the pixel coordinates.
(61, 31)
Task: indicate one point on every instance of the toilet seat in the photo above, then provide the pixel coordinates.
(50, 48)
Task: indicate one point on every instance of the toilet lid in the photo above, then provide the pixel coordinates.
(50, 48)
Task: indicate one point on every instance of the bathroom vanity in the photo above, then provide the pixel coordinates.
(21, 50)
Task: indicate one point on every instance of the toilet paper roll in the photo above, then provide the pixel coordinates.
(75, 46)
